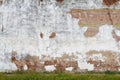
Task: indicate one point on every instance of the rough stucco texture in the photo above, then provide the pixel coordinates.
(62, 35)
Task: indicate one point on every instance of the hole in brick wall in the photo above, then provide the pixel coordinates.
(53, 34)
(1, 2)
(101, 19)
(41, 35)
(91, 32)
(60, 1)
(39, 1)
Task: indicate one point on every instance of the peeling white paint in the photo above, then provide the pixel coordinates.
(50, 68)
(25, 67)
(98, 57)
(69, 69)
(7, 67)
(23, 23)
(85, 65)
(117, 32)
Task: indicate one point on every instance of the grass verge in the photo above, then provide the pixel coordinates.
(60, 76)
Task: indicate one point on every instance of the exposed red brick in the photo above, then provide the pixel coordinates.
(61, 65)
(115, 36)
(41, 35)
(19, 64)
(103, 66)
(64, 64)
(96, 17)
(53, 34)
(110, 2)
(34, 66)
(1, 2)
(60, 1)
(33, 63)
(91, 32)
(50, 62)
(110, 63)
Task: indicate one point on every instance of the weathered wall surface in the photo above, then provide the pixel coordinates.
(97, 17)
(54, 35)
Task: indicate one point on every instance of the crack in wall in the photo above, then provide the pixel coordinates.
(110, 18)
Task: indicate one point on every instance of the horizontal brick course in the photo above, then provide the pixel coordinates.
(96, 17)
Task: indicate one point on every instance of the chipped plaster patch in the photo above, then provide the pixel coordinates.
(69, 69)
(91, 32)
(50, 68)
(85, 65)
